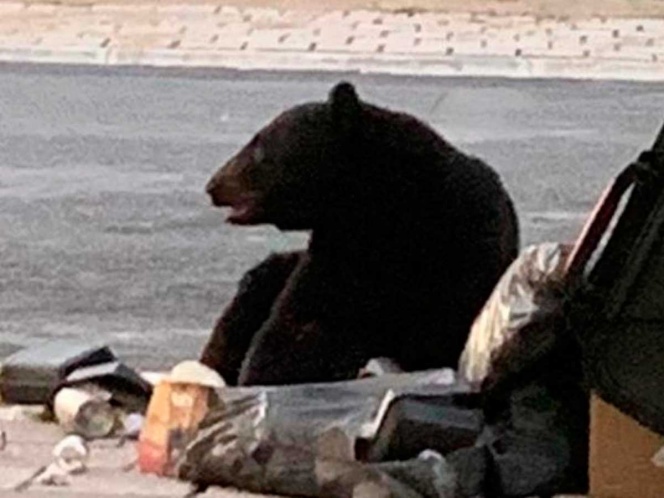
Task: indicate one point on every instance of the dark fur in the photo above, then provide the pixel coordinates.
(409, 236)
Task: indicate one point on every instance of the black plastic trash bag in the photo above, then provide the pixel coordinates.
(301, 440)
(538, 446)
(428, 475)
(524, 359)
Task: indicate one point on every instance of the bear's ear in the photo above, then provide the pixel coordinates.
(345, 105)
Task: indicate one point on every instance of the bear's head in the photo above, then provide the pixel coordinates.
(285, 173)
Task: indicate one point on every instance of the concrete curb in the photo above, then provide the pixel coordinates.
(426, 44)
(395, 64)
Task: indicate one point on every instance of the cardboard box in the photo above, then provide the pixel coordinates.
(626, 459)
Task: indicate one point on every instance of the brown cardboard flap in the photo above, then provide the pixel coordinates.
(621, 455)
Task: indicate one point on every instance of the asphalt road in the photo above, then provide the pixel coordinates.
(106, 233)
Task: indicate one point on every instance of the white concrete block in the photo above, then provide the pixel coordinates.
(197, 38)
(233, 29)
(297, 40)
(265, 38)
(364, 44)
(430, 46)
(229, 42)
(401, 43)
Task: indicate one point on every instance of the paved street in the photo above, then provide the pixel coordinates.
(110, 471)
(106, 233)
(407, 42)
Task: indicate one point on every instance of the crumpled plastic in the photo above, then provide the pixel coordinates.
(300, 440)
(522, 357)
(518, 325)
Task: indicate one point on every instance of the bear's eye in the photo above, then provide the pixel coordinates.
(258, 154)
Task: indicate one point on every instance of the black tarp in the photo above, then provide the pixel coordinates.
(618, 312)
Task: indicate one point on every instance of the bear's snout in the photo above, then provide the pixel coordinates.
(222, 191)
(224, 188)
(213, 189)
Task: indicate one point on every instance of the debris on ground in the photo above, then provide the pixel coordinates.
(131, 427)
(125, 386)
(80, 412)
(72, 454)
(179, 403)
(30, 375)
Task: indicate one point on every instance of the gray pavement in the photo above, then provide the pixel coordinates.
(418, 43)
(110, 471)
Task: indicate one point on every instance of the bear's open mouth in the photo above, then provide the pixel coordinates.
(244, 211)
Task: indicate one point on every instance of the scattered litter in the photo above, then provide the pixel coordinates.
(30, 375)
(26, 483)
(153, 378)
(84, 413)
(128, 389)
(72, 454)
(194, 372)
(132, 425)
(178, 404)
(47, 475)
(94, 400)
(53, 475)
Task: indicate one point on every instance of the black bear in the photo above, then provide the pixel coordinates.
(408, 238)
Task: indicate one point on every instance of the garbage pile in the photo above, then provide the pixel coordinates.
(511, 421)
(86, 388)
(92, 395)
